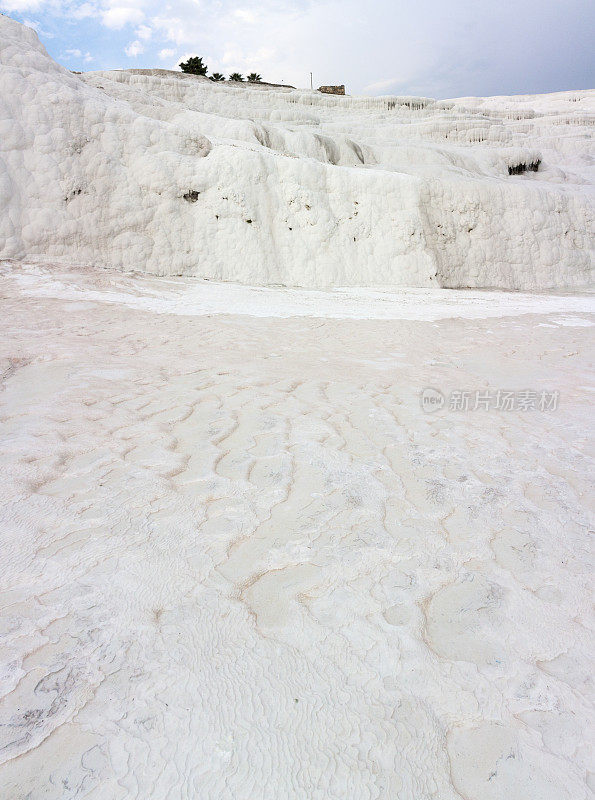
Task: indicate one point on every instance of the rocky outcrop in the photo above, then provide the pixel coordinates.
(332, 89)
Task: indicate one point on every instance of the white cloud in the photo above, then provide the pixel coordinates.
(245, 15)
(31, 23)
(381, 86)
(171, 28)
(166, 53)
(144, 32)
(20, 5)
(84, 11)
(231, 57)
(134, 49)
(118, 16)
(76, 53)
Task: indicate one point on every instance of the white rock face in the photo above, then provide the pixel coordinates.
(172, 174)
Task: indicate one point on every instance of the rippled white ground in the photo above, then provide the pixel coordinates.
(240, 562)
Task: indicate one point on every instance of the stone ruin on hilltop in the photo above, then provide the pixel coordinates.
(332, 89)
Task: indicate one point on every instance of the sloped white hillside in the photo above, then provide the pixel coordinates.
(172, 174)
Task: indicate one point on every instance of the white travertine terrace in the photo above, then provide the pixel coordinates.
(239, 562)
(173, 174)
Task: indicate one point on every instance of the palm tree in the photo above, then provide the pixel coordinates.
(236, 76)
(254, 77)
(217, 76)
(194, 66)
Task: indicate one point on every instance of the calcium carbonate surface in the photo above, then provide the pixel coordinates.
(172, 174)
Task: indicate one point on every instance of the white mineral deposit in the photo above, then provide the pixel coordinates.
(295, 494)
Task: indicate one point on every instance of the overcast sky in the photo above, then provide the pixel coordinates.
(420, 47)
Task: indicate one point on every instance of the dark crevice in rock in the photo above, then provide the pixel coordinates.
(518, 169)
